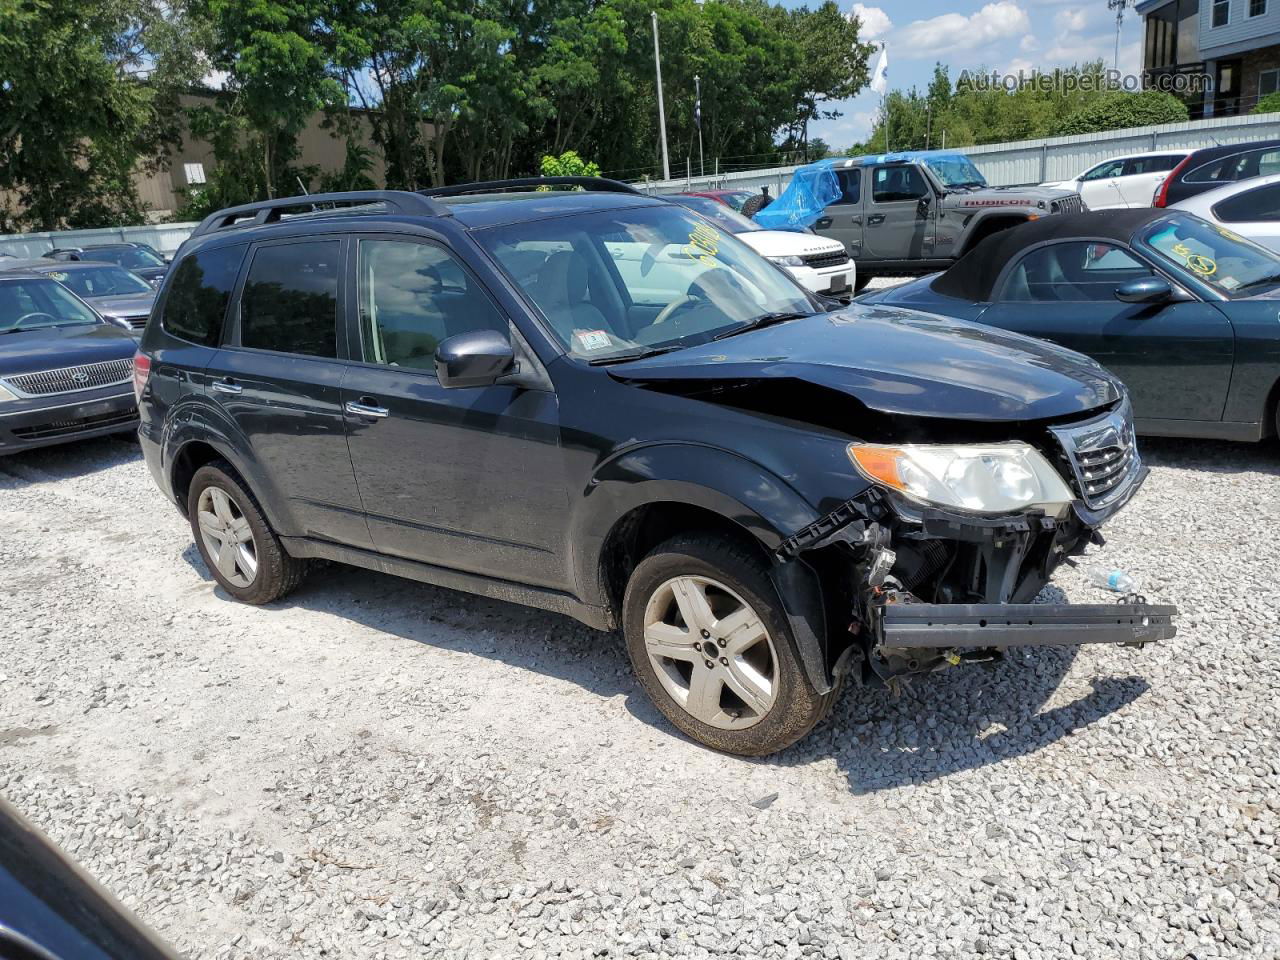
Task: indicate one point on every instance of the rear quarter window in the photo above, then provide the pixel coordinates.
(196, 301)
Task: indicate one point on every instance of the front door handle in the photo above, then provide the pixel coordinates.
(823, 223)
(362, 409)
(855, 221)
(227, 386)
(874, 219)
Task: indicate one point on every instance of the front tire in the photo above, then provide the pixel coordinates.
(707, 638)
(237, 544)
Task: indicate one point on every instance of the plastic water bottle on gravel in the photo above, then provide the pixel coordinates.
(1117, 581)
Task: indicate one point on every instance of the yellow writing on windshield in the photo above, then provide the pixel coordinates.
(703, 245)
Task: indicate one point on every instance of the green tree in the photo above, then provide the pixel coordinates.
(77, 116)
(568, 164)
(1119, 111)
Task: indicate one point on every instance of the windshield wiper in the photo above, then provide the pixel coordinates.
(1273, 278)
(635, 355)
(764, 320)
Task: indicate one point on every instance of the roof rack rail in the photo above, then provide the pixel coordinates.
(270, 211)
(603, 184)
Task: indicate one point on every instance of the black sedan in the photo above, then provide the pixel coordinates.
(1184, 312)
(65, 374)
(119, 295)
(143, 259)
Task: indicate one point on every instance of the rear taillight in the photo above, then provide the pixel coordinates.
(1161, 198)
(141, 372)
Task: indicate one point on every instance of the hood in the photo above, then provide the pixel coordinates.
(788, 243)
(132, 305)
(897, 361)
(49, 348)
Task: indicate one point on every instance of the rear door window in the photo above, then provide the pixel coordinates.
(196, 301)
(290, 299)
(1260, 203)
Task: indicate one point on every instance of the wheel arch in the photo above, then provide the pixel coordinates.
(986, 225)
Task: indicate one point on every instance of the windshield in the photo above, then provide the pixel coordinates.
(101, 281)
(737, 198)
(28, 304)
(622, 283)
(1214, 255)
(956, 171)
(718, 213)
(126, 256)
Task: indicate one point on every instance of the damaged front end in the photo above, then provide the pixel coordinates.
(921, 587)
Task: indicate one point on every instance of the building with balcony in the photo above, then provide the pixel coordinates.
(1235, 44)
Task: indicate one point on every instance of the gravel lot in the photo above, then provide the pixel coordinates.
(375, 768)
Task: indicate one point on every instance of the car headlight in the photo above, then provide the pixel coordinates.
(6, 394)
(983, 478)
(788, 261)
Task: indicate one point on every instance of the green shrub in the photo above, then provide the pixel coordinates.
(1120, 111)
(1268, 104)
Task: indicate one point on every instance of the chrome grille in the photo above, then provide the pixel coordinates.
(1071, 204)
(70, 379)
(836, 258)
(137, 323)
(1103, 456)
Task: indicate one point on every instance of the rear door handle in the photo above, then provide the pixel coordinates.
(227, 386)
(362, 409)
(874, 219)
(855, 221)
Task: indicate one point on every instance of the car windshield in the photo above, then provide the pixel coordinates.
(737, 198)
(26, 304)
(104, 281)
(719, 214)
(126, 256)
(956, 171)
(1214, 255)
(625, 283)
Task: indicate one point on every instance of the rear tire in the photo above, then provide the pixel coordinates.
(237, 544)
(706, 635)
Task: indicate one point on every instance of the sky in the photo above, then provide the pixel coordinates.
(1005, 35)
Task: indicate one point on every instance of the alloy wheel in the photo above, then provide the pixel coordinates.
(711, 652)
(228, 538)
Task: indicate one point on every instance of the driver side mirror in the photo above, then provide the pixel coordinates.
(922, 208)
(476, 358)
(1146, 290)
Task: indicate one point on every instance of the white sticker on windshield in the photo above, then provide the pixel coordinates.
(1229, 282)
(591, 339)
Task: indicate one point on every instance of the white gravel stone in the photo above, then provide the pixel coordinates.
(375, 768)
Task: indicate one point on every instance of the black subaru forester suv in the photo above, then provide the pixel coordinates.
(594, 402)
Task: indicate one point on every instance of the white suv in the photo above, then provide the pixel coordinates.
(1128, 181)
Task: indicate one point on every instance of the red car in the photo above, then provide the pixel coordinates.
(734, 199)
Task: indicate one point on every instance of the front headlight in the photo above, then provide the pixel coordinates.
(6, 394)
(983, 478)
(788, 261)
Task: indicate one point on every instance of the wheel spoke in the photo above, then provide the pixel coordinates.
(741, 630)
(692, 601)
(704, 694)
(241, 531)
(667, 640)
(246, 562)
(754, 689)
(221, 506)
(226, 559)
(209, 524)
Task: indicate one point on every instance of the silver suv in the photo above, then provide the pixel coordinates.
(914, 213)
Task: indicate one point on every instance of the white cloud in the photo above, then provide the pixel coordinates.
(875, 22)
(954, 31)
(1019, 66)
(1070, 21)
(1029, 43)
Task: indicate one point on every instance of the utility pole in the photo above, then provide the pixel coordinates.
(1118, 6)
(662, 113)
(697, 116)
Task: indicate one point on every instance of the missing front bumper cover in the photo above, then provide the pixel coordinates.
(945, 625)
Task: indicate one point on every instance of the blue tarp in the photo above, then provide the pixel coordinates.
(812, 189)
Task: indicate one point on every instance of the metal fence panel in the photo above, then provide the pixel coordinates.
(165, 237)
(1035, 161)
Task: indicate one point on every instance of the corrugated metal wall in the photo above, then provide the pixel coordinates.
(1037, 161)
(165, 237)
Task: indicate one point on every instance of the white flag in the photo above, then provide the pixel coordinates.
(880, 78)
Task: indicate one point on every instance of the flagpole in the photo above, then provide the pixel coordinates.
(662, 113)
(697, 87)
